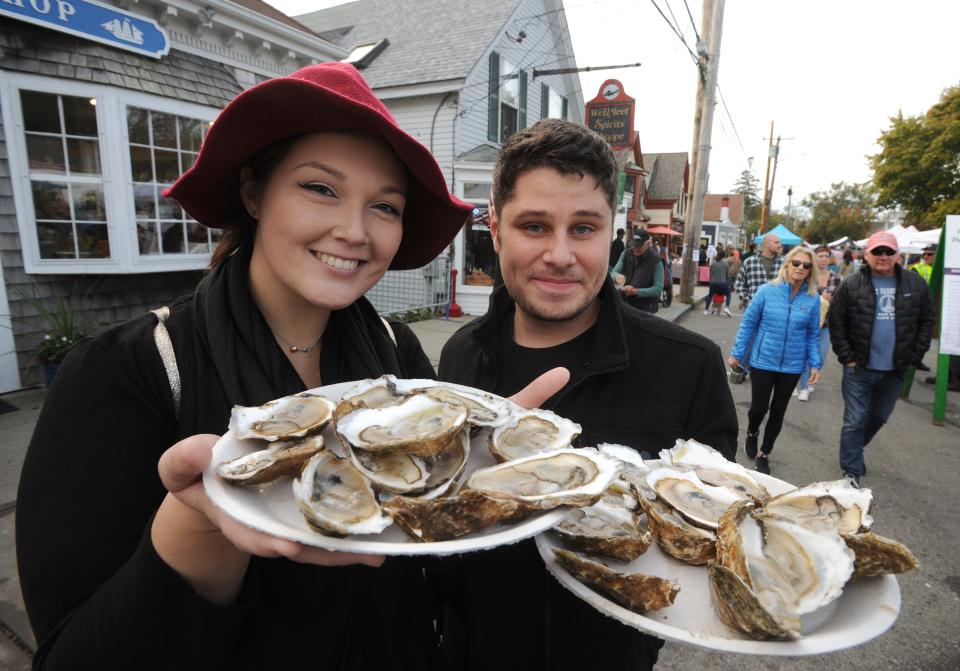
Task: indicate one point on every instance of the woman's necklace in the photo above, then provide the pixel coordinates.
(297, 348)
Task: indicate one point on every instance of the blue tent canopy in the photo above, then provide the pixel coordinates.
(787, 237)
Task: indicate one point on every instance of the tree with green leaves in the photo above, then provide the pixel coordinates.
(748, 186)
(844, 209)
(918, 167)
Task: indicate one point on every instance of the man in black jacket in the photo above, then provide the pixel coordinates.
(554, 185)
(881, 322)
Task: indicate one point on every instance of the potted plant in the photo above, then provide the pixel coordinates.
(63, 330)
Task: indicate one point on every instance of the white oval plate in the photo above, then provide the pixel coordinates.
(866, 609)
(271, 509)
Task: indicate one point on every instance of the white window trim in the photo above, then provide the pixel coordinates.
(469, 173)
(115, 168)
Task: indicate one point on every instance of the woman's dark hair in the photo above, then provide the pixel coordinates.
(720, 254)
(257, 170)
(847, 256)
(823, 248)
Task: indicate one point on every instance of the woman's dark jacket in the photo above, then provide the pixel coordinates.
(98, 595)
(645, 383)
(852, 311)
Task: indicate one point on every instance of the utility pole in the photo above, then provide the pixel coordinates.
(766, 185)
(773, 175)
(705, 29)
(694, 216)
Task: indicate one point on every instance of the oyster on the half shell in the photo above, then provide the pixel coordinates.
(676, 536)
(700, 503)
(531, 432)
(576, 477)
(284, 418)
(772, 575)
(608, 527)
(712, 467)
(281, 458)
(336, 499)
(836, 505)
(418, 425)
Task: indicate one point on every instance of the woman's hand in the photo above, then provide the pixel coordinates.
(206, 546)
(537, 392)
(814, 376)
(733, 362)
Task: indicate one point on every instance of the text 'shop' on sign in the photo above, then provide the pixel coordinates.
(93, 21)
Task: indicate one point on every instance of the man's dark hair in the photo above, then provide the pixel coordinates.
(620, 233)
(564, 146)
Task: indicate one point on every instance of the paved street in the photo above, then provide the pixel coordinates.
(913, 472)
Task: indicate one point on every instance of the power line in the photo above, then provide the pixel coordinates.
(692, 22)
(675, 32)
(732, 124)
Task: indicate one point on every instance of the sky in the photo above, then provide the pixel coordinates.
(828, 73)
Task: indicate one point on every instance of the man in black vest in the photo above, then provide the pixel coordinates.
(641, 274)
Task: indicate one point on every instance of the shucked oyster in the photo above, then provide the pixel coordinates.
(608, 527)
(676, 536)
(287, 417)
(281, 458)
(576, 477)
(772, 574)
(336, 499)
(409, 474)
(700, 503)
(418, 425)
(712, 467)
(482, 409)
(836, 505)
(640, 593)
(532, 432)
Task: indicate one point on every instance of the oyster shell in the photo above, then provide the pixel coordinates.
(531, 432)
(336, 499)
(391, 471)
(635, 591)
(876, 555)
(281, 458)
(576, 477)
(447, 518)
(713, 468)
(482, 409)
(700, 503)
(785, 571)
(676, 536)
(821, 505)
(608, 527)
(446, 466)
(381, 392)
(635, 471)
(286, 418)
(418, 425)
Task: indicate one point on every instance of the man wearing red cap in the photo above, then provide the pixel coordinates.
(881, 322)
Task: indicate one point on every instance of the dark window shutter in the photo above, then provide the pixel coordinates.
(564, 107)
(493, 99)
(544, 101)
(522, 122)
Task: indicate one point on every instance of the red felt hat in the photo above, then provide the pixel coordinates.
(317, 98)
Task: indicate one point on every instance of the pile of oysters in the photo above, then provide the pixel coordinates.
(775, 564)
(403, 448)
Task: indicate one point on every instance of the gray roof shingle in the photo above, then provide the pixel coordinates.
(430, 40)
(666, 180)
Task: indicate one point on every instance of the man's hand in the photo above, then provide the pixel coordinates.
(619, 279)
(629, 291)
(545, 386)
(814, 376)
(851, 364)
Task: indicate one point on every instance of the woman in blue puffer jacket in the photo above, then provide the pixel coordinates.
(783, 322)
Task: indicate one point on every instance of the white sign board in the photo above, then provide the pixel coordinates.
(950, 307)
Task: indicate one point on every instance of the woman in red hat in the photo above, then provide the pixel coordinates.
(319, 193)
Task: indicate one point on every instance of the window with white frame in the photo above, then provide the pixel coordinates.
(66, 184)
(479, 258)
(162, 146)
(88, 166)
